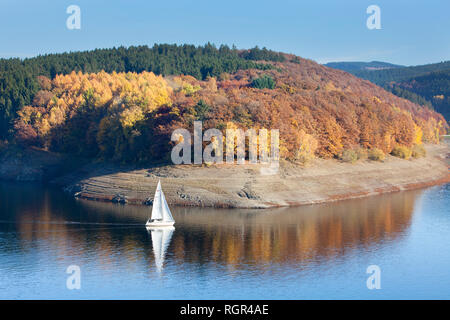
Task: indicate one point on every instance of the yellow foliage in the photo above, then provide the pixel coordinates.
(307, 147)
(145, 90)
(189, 86)
(308, 143)
(122, 98)
(330, 86)
(402, 152)
(376, 99)
(189, 89)
(130, 116)
(418, 134)
(287, 88)
(376, 154)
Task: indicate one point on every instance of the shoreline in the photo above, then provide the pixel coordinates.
(265, 205)
(234, 186)
(243, 186)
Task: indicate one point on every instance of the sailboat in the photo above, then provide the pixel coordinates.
(161, 215)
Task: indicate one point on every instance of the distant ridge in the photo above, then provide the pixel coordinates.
(381, 77)
(362, 66)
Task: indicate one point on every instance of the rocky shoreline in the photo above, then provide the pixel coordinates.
(243, 186)
(236, 186)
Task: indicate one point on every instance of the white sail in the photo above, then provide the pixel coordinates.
(157, 204)
(161, 239)
(167, 215)
(161, 215)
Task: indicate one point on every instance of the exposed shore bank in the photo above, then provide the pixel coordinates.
(237, 186)
(244, 186)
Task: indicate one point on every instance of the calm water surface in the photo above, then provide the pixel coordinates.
(311, 252)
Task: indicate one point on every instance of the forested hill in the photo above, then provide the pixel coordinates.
(433, 86)
(424, 84)
(126, 113)
(18, 78)
(382, 77)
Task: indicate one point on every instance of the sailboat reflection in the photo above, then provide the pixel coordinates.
(161, 237)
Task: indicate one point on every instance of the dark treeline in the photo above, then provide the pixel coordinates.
(432, 84)
(380, 77)
(18, 78)
(434, 87)
(262, 54)
(409, 95)
(427, 85)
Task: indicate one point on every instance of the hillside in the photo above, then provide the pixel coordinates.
(129, 116)
(19, 84)
(426, 85)
(433, 87)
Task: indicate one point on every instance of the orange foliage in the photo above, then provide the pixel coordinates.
(318, 111)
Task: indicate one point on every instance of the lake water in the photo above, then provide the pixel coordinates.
(310, 252)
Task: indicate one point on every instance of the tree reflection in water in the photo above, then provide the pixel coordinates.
(232, 238)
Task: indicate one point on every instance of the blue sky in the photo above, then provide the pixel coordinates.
(413, 32)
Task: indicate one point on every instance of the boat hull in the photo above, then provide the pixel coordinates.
(159, 224)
